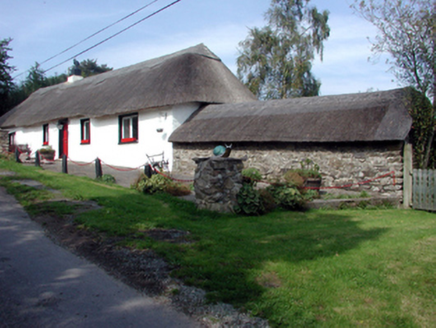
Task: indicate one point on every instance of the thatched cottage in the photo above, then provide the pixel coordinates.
(353, 138)
(186, 103)
(122, 115)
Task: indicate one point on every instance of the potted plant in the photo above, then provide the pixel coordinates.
(307, 176)
(310, 173)
(47, 153)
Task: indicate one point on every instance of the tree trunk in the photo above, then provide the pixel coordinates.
(428, 147)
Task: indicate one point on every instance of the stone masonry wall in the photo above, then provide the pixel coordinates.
(217, 182)
(4, 141)
(340, 164)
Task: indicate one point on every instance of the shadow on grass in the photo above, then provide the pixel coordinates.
(228, 249)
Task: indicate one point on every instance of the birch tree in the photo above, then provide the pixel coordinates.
(275, 61)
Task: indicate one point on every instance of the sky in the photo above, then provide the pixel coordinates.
(41, 29)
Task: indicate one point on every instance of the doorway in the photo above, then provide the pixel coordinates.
(63, 138)
(11, 142)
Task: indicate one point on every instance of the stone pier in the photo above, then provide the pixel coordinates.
(217, 182)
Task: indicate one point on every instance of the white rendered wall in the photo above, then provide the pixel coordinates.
(33, 136)
(105, 137)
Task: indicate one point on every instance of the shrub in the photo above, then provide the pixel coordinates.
(159, 183)
(309, 169)
(251, 175)
(293, 178)
(250, 201)
(46, 150)
(288, 194)
(108, 178)
(269, 203)
(310, 194)
(288, 197)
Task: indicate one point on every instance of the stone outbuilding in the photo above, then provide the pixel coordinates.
(353, 138)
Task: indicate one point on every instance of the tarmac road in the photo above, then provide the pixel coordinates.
(44, 285)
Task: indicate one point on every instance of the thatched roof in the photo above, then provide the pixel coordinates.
(191, 75)
(372, 116)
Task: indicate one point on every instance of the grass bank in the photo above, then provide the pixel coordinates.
(370, 268)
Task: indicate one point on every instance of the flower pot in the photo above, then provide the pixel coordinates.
(49, 156)
(312, 183)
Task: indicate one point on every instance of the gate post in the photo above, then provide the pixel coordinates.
(148, 170)
(17, 155)
(98, 170)
(64, 164)
(37, 159)
(407, 175)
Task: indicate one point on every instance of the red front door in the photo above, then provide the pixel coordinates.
(63, 140)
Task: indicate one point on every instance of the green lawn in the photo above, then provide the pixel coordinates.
(370, 268)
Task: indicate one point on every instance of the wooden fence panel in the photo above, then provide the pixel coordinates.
(424, 190)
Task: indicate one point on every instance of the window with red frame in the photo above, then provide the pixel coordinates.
(45, 135)
(85, 131)
(128, 126)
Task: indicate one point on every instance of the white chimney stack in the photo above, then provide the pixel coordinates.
(76, 73)
(74, 78)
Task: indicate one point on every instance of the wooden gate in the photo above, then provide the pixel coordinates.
(424, 190)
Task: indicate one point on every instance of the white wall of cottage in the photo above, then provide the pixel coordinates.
(33, 137)
(105, 137)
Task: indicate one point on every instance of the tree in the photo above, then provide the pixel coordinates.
(407, 31)
(36, 79)
(89, 67)
(421, 111)
(56, 79)
(276, 60)
(6, 81)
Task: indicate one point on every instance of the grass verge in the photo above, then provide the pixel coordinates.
(370, 268)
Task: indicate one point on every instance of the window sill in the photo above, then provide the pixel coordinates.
(128, 140)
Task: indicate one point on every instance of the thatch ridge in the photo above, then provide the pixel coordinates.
(372, 116)
(191, 75)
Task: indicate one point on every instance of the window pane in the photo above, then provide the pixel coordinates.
(126, 127)
(45, 133)
(86, 130)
